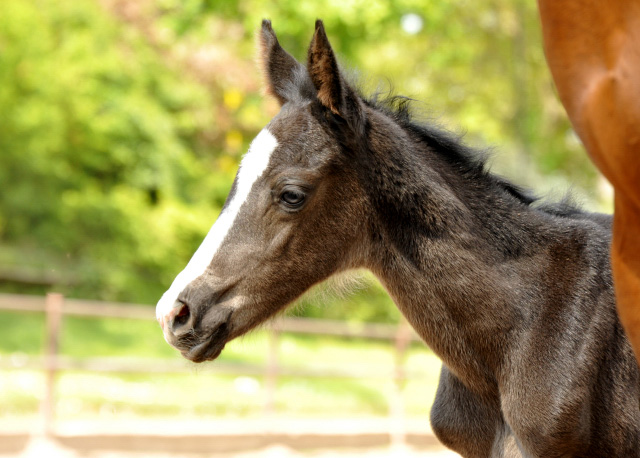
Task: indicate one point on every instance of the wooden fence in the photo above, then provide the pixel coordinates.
(55, 306)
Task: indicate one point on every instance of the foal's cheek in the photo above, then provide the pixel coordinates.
(280, 243)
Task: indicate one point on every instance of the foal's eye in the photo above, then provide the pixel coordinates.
(292, 198)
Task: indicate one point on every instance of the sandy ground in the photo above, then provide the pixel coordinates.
(257, 438)
(42, 448)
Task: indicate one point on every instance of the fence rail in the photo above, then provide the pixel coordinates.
(88, 308)
(55, 306)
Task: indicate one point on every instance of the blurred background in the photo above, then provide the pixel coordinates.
(122, 123)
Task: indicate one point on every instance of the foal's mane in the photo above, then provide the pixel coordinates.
(469, 161)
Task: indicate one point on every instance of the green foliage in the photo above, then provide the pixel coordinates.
(22, 333)
(121, 128)
(100, 143)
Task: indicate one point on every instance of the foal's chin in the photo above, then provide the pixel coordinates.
(204, 341)
(207, 347)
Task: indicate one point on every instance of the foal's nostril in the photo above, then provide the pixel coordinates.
(182, 317)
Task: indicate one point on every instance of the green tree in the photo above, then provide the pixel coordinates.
(122, 123)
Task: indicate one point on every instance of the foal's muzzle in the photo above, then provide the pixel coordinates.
(198, 331)
(176, 320)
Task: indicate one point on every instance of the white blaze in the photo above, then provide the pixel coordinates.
(252, 167)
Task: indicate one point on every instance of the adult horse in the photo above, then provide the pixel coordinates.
(515, 297)
(593, 51)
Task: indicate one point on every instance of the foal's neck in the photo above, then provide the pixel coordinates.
(457, 251)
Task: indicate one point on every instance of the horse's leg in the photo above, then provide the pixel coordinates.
(594, 58)
(462, 422)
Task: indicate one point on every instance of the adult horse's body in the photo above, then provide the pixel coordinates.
(593, 50)
(515, 298)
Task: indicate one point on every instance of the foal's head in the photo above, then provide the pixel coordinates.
(295, 213)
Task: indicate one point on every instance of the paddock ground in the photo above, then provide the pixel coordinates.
(274, 451)
(276, 438)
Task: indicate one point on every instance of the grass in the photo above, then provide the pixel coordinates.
(201, 392)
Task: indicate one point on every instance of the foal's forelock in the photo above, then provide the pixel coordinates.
(251, 169)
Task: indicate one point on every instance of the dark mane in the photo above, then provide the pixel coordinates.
(450, 146)
(471, 162)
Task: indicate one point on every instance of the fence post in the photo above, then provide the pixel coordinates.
(398, 428)
(53, 310)
(271, 381)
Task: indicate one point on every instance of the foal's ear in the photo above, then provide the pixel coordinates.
(277, 65)
(332, 90)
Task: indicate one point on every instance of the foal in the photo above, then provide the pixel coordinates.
(516, 298)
